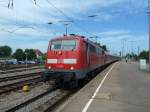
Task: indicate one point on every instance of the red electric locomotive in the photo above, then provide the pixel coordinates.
(71, 58)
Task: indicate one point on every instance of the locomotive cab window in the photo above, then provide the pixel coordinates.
(56, 45)
(63, 45)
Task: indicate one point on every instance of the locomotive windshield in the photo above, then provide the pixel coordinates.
(63, 45)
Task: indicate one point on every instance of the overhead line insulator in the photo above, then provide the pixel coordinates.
(10, 3)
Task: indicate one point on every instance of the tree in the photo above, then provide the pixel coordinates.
(5, 51)
(44, 56)
(30, 54)
(144, 55)
(104, 47)
(19, 55)
(129, 56)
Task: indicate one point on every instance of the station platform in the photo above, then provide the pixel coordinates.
(121, 87)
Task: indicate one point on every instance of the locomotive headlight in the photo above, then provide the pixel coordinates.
(71, 68)
(49, 67)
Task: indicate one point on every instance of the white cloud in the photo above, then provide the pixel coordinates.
(114, 33)
(25, 12)
(118, 35)
(114, 39)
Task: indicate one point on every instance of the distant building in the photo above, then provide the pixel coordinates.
(38, 53)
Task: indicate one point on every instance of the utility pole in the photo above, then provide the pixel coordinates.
(26, 59)
(138, 52)
(149, 29)
(132, 46)
(66, 28)
(123, 47)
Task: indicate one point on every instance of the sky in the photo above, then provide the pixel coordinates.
(122, 25)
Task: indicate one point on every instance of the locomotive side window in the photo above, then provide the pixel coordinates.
(92, 49)
(63, 45)
(85, 48)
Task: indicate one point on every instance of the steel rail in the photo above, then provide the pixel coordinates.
(17, 85)
(19, 70)
(31, 100)
(18, 76)
(9, 67)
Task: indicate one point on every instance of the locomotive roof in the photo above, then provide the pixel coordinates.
(73, 36)
(67, 37)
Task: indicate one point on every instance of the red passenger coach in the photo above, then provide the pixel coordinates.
(71, 58)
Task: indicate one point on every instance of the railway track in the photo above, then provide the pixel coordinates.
(9, 78)
(17, 85)
(43, 102)
(54, 102)
(19, 70)
(10, 67)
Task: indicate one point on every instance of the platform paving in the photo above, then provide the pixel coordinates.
(125, 89)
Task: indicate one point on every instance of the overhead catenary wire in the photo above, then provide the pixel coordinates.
(22, 26)
(3, 3)
(60, 11)
(34, 24)
(69, 18)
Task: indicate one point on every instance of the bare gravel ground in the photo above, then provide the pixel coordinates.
(32, 107)
(15, 98)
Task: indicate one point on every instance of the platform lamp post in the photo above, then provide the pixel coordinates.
(149, 29)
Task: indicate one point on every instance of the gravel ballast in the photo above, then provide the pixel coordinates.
(15, 98)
